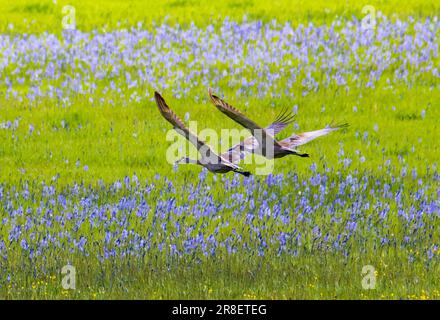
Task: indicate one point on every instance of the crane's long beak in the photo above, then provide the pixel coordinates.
(181, 161)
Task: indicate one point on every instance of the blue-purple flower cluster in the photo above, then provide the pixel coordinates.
(264, 59)
(224, 215)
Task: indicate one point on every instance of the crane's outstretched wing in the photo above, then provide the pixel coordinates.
(296, 140)
(257, 131)
(283, 119)
(237, 153)
(179, 126)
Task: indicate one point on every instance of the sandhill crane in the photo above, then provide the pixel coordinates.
(209, 159)
(263, 139)
(238, 151)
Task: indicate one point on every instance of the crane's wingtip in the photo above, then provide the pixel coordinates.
(211, 93)
(157, 96)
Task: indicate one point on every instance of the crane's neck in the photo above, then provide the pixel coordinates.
(188, 160)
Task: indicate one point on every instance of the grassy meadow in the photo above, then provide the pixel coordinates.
(84, 179)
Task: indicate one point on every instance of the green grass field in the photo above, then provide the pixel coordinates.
(39, 16)
(81, 143)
